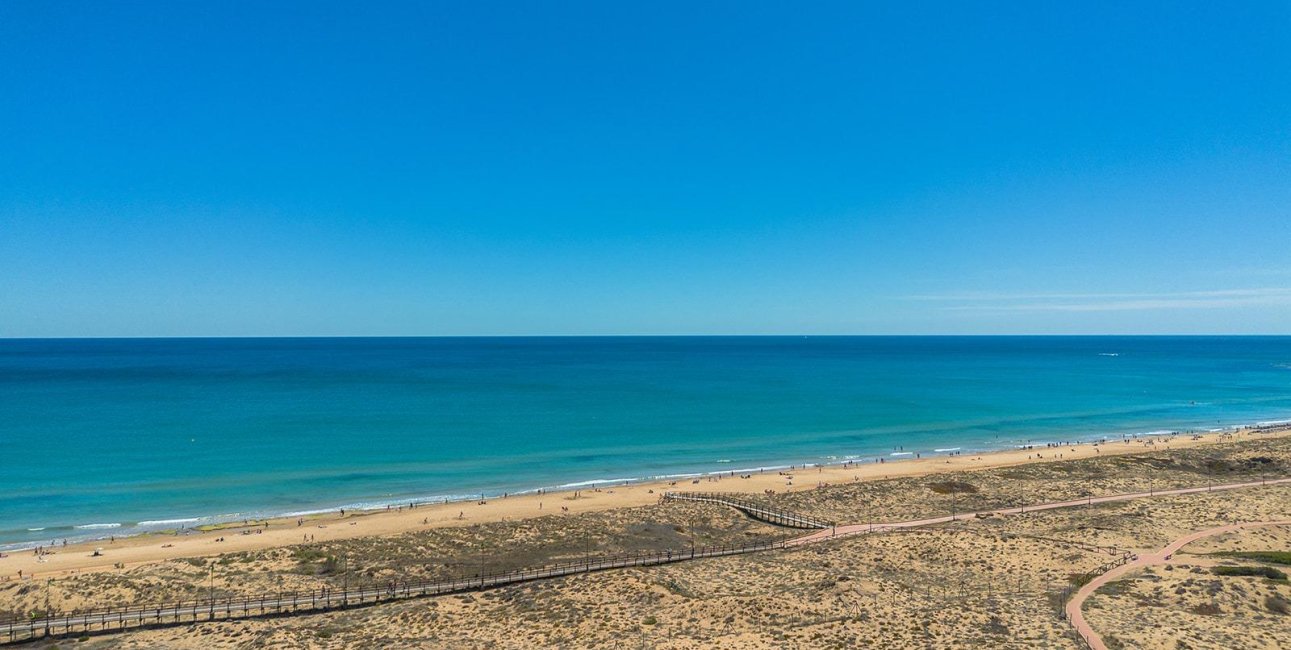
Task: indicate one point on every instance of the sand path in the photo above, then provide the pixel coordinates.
(1163, 556)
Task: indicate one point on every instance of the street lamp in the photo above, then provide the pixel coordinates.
(211, 566)
(952, 500)
(692, 537)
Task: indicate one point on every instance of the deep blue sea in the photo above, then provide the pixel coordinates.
(118, 436)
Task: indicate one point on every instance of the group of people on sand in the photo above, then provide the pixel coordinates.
(41, 551)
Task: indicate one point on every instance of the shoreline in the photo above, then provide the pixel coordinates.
(86, 534)
(262, 534)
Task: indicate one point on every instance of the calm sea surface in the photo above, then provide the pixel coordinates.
(117, 436)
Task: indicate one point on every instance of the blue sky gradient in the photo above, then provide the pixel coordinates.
(435, 168)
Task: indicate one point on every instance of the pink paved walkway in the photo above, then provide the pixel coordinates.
(857, 529)
(1074, 607)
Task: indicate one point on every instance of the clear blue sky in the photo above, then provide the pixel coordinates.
(316, 168)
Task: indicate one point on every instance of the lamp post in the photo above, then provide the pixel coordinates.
(692, 538)
(211, 567)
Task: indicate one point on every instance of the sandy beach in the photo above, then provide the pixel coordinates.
(992, 579)
(230, 538)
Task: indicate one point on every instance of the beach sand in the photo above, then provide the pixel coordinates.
(150, 548)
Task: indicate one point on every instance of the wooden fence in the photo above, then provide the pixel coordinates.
(1082, 580)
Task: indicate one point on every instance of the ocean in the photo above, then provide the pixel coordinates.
(120, 436)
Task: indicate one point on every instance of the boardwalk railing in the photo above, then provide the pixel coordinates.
(284, 604)
(759, 511)
(1080, 581)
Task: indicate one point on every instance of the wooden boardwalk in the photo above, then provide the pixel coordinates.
(284, 604)
(759, 511)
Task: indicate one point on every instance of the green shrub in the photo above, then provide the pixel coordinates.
(1267, 572)
(1079, 580)
(948, 487)
(1272, 557)
(1278, 605)
(1206, 609)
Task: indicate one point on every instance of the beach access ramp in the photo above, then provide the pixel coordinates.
(759, 511)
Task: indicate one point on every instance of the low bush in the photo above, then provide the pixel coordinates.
(1272, 557)
(1267, 572)
(948, 487)
(1278, 605)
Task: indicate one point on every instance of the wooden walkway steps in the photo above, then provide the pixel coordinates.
(759, 511)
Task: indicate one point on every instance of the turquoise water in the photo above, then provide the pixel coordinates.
(117, 436)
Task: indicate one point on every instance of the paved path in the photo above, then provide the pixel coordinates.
(856, 529)
(1075, 606)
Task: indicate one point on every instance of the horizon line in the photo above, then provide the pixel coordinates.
(637, 336)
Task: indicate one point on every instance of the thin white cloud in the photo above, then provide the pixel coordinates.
(1093, 302)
